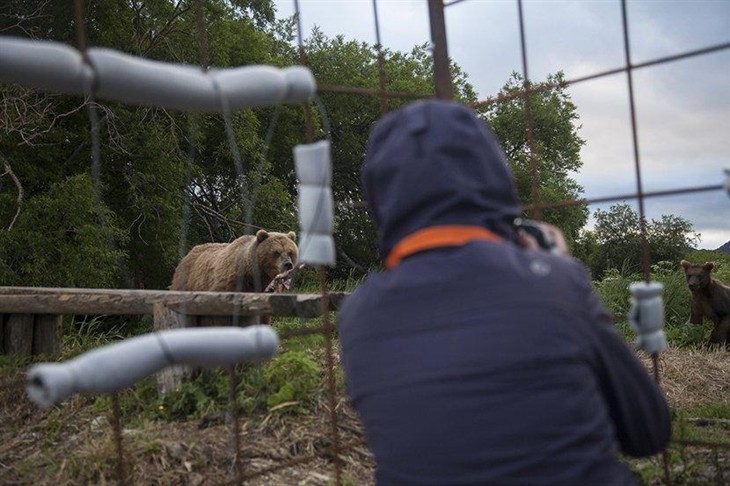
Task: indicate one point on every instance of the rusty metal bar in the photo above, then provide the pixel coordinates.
(453, 2)
(117, 429)
(544, 87)
(441, 70)
(371, 92)
(80, 21)
(640, 196)
(308, 122)
(233, 411)
(596, 200)
(646, 195)
(635, 139)
(381, 61)
(526, 93)
(331, 397)
(331, 385)
(202, 35)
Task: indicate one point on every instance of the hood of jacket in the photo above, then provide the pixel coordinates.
(435, 163)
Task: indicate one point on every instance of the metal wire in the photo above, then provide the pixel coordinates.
(534, 184)
(329, 347)
(381, 60)
(327, 328)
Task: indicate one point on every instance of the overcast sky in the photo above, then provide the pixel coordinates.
(683, 108)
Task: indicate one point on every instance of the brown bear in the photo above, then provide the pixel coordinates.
(247, 264)
(710, 299)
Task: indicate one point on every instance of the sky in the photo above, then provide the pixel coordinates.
(682, 108)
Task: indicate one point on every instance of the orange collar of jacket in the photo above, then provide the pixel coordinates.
(437, 237)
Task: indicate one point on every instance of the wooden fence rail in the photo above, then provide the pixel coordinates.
(31, 317)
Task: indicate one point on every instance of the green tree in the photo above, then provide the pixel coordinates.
(618, 245)
(145, 179)
(64, 238)
(556, 145)
(340, 62)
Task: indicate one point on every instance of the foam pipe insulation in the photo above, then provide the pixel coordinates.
(646, 316)
(112, 75)
(117, 366)
(316, 204)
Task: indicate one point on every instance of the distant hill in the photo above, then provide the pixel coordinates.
(725, 248)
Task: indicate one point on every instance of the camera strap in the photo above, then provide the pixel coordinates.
(438, 237)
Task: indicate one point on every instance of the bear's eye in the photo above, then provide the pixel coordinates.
(277, 254)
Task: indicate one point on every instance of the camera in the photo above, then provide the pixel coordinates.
(534, 229)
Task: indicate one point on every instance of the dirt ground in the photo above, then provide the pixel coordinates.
(74, 442)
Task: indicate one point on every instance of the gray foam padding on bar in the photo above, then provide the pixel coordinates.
(128, 79)
(46, 65)
(117, 366)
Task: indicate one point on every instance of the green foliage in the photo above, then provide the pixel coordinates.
(294, 377)
(63, 238)
(555, 149)
(616, 241)
(613, 291)
(154, 162)
(289, 383)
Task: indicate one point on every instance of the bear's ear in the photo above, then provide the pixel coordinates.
(685, 264)
(261, 235)
(708, 266)
(292, 235)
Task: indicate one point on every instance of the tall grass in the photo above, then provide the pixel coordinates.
(613, 291)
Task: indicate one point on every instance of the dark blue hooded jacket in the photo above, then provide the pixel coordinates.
(484, 363)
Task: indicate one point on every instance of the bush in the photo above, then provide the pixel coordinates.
(613, 291)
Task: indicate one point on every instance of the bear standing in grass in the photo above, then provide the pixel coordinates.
(236, 266)
(710, 299)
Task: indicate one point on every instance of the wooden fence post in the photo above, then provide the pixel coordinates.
(173, 376)
(47, 335)
(31, 334)
(18, 334)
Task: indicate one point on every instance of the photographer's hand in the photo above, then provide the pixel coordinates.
(525, 240)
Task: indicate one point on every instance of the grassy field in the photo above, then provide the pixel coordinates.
(184, 437)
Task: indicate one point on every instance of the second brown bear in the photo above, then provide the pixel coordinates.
(235, 266)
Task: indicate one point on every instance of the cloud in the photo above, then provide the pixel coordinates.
(682, 108)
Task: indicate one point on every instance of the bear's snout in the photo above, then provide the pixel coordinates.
(288, 265)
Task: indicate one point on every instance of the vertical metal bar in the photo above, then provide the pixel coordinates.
(331, 385)
(441, 70)
(527, 92)
(81, 38)
(640, 196)
(233, 412)
(381, 61)
(117, 429)
(635, 137)
(308, 123)
(202, 34)
(331, 388)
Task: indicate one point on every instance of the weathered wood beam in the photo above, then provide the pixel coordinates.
(39, 300)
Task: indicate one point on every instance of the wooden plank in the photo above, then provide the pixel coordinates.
(171, 377)
(47, 335)
(19, 334)
(131, 302)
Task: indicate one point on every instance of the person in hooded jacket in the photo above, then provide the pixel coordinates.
(475, 358)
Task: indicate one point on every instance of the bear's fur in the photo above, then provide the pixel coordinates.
(710, 299)
(247, 264)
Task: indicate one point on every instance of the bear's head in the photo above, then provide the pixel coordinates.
(275, 253)
(698, 275)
